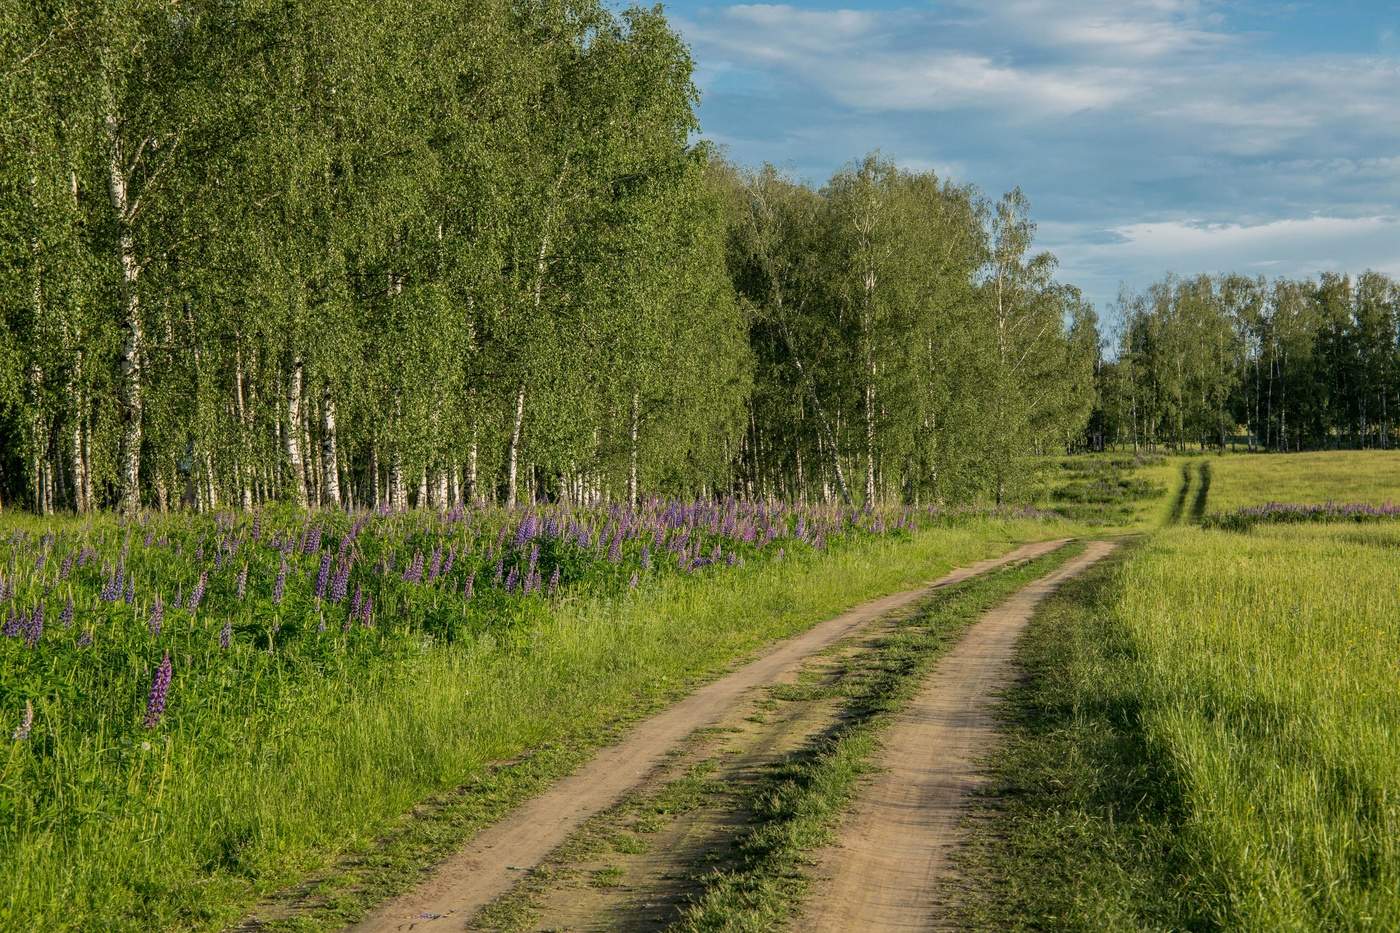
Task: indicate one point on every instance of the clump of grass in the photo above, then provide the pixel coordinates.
(1104, 490)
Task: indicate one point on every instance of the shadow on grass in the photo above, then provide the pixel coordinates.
(1198, 505)
(1080, 824)
(1179, 503)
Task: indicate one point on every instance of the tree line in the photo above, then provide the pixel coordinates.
(390, 252)
(1294, 364)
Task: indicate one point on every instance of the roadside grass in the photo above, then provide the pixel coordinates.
(799, 802)
(1206, 740)
(326, 783)
(1076, 830)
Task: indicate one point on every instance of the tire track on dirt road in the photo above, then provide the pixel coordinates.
(492, 862)
(893, 848)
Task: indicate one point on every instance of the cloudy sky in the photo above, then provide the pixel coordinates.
(1150, 135)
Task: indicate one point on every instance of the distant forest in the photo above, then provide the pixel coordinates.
(380, 252)
(1293, 365)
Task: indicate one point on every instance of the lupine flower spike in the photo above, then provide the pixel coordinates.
(160, 687)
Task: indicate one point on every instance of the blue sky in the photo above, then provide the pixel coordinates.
(1151, 136)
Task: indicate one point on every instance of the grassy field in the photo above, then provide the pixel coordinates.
(1110, 492)
(1207, 736)
(294, 724)
(1366, 476)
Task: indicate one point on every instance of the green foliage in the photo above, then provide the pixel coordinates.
(363, 251)
(1293, 364)
(907, 345)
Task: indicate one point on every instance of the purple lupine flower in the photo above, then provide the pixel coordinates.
(257, 526)
(26, 722)
(281, 585)
(467, 587)
(157, 615)
(15, 624)
(451, 559)
(130, 589)
(66, 616)
(226, 633)
(511, 579)
(36, 627)
(525, 532)
(150, 536)
(646, 557)
(367, 611)
(356, 602)
(160, 687)
(340, 583)
(554, 581)
(534, 558)
(66, 568)
(500, 570)
(435, 568)
(323, 576)
(85, 639)
(112, 589)
(241, 587)
(197, 594)
(413, 573)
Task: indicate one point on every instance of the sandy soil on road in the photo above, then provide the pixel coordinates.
(894, 845)
(490, 864)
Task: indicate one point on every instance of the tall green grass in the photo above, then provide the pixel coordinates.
(1207, 739)
(286, 775)
(1270, 680)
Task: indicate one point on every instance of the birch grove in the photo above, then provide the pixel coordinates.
(393, 253)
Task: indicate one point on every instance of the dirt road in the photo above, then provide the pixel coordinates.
(494, 860)
(894, 845)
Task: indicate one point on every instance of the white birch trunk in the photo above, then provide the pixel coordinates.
(330, 462)
(632, 464)
(291, 436)
(513, 455)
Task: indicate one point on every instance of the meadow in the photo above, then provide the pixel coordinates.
(1206, 738)
(203, 709)
(1371, 477)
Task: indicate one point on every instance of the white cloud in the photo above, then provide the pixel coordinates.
(1099, 259)
(1149, 60)
(1117, 29)
(1138, 125)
